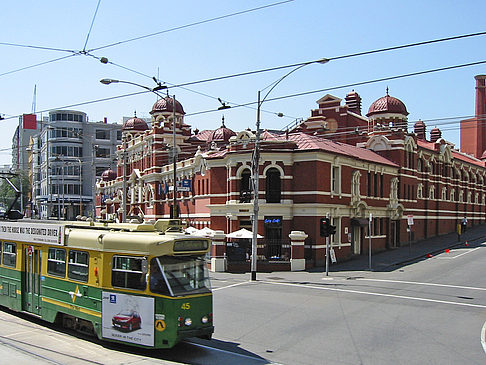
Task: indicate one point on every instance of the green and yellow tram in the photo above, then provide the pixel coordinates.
(141, 284)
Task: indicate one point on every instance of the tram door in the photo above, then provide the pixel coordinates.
(31, 300)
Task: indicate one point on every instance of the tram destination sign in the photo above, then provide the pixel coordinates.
(32, 232)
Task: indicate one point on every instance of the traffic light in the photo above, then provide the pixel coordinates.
(325, 227)
(331, 230)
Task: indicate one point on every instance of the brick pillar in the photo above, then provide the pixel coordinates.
(218, 252)
(297, 258)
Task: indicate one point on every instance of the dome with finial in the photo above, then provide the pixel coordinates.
(435, 134)
(221, 134)
(108, 175)
(387, 104)
(166, 104)
(135, 124)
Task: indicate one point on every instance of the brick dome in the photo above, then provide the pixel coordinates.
(135, 124)
(108, 175)
(387, 104)
(166, 105)
(221, 134)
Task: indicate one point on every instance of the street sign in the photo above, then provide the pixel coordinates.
(333, 256)
(184, 185)
(410, 220)
(30, 250)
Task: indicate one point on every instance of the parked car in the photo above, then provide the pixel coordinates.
(127, 321)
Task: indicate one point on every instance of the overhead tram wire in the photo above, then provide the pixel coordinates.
(279, 97)
(352, 130)
(190, 25)
(38, 64)
(91, 26)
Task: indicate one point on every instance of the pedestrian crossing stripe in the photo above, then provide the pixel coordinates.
(160, 325)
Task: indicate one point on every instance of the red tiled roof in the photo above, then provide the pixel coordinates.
(307, 142)
(455, 154)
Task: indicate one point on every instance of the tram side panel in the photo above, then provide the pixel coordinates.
(71, 289)
(10, 276)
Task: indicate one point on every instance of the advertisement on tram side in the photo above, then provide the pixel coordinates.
(128, 318)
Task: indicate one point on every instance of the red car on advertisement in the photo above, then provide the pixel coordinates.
(127, 321)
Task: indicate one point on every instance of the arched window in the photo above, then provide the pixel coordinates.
(245, 186)
(273, 186)
(419, 165)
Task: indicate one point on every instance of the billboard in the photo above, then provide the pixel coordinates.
(127, 318)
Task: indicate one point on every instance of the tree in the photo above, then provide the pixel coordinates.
(7, 193)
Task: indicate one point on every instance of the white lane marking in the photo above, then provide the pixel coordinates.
(419, 283)
(232, 353)
(378, 294)
(231, 286)
(483, 339)
(456, 256)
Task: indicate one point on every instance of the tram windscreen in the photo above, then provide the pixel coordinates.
(177, 276)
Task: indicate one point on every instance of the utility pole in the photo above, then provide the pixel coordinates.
(174, 156)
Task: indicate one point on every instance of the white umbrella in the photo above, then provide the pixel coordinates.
(205, 232)
(191, 230)
(242, 233)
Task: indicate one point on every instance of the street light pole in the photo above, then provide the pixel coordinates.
(124, 183)
(124, 156)
(256, 177)
(80, 188)
(256, 165)
(175, 214)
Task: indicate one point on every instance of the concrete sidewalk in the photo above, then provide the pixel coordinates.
(391, 259)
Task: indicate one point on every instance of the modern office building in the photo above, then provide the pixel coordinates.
(69, 153)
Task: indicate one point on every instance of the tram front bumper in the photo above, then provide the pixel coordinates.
(205, 332)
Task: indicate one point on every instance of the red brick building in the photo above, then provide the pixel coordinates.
(337, 163)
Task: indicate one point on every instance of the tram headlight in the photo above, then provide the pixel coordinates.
(188, 321)
(204, 319)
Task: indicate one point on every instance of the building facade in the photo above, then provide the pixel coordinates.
(337, 163)
(67, 155)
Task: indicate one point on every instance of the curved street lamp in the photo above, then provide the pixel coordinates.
(174, 142)
(256, 165)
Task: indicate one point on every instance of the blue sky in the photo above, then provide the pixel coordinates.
(292, 32)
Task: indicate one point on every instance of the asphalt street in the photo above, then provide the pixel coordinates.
(426, 305)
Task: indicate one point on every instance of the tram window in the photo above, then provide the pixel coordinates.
(78, 265)
(127, 273)
(56, 262)
(185, 275)
(9, 254)
(157, 281)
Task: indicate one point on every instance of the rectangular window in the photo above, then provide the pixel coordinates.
(9, 254)
(78, 266)
(127, 272)
(369, 183)
(381, 185)
(336, 180)
(375, 185)
(103, 152)
(102, 134)
(336, 238)
(56, 262)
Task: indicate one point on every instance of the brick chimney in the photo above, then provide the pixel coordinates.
(480, 96)
(353, 101)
